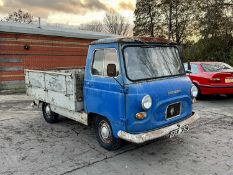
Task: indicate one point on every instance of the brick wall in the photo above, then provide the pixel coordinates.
(44, 52)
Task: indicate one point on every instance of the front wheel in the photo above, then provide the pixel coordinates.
(105, 136)
(49, 115)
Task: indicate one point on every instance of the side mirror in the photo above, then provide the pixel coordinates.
(111, 70)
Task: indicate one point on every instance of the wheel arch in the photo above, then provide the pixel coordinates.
(92, 117)
(114, 124)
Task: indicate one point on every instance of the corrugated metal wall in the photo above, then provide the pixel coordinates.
(44, 52)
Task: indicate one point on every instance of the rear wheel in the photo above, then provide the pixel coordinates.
(104, 134)
(49, 115)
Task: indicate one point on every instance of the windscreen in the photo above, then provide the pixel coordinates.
(143, 62)
(216, 67)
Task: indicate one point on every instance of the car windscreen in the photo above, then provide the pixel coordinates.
(149, 62)
(216, 67)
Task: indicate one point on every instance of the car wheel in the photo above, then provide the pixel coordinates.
(105, 136)
(49, 115)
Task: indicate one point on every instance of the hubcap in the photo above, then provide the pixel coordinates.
(48, 110)
(105, 132)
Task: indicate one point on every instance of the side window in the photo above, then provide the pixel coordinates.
(194, 69)
(110, 58)
(98, 63)
(101, 60)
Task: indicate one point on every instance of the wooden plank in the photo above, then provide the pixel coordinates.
(43, 38)
(10, 60)
(9, 85)
(5, 69)
(12, 78)
(41, 42)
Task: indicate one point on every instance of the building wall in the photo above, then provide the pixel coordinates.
(45, 52)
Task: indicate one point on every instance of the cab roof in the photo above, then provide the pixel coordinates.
(132, 40)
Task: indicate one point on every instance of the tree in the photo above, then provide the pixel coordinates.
(19, 17)
(153, 18)
(205, 28)
(211, 49)
(116, 24)
(216, 18)
(95, 26)
(183, 18)
(215, 21)
(146, 18)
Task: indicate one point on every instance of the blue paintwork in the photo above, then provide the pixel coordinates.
(104, 96)
(158, 90)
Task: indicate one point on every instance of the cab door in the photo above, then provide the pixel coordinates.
(104, 95)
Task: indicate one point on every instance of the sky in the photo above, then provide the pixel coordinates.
(69, 12)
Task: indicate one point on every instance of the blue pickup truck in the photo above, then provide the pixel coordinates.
(132, 89)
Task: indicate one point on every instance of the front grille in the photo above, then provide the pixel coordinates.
(173, 110)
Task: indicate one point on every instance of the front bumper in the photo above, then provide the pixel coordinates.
(143, 137)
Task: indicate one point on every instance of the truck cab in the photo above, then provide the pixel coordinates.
(138, 85)
(133, 89)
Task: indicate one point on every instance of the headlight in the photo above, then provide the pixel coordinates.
(194, 91)
(146, 102)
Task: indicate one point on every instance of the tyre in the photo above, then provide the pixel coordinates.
(105, 136)
(49, 115)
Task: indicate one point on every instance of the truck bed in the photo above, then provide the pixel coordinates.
(61, 87)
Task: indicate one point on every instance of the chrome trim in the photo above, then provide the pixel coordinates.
(144, 99)
(143, 137)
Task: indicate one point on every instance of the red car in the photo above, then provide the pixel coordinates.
(211, 77)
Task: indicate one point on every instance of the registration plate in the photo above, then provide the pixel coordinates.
(179, 131)
(229, 80)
